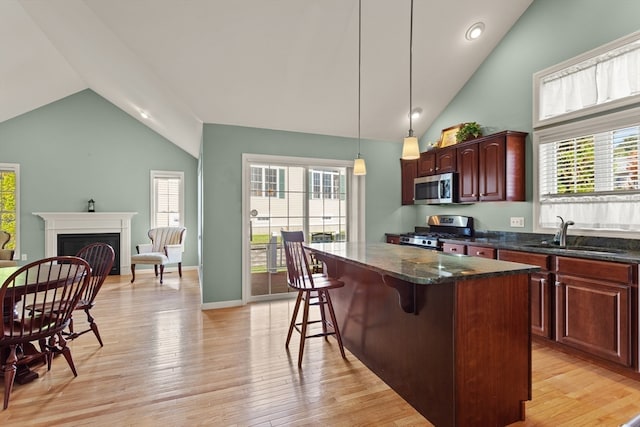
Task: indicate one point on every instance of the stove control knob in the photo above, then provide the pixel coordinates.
(424, 242)
(429, 242)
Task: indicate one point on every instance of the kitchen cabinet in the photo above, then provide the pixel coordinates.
(437, 161)
(492, 168)
(594, 307)
(454, 248)
(540, 289)
(409, 172)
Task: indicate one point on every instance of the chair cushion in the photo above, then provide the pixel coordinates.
(149, 258)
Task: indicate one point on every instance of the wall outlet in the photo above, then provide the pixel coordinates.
(517, 221)
(24, 257)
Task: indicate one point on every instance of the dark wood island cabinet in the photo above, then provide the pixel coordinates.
(449, 333)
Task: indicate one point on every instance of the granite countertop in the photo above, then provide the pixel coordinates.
(603, 249)
(418, 265)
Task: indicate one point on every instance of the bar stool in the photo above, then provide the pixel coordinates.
(313, 289)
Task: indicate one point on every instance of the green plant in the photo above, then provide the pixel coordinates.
(469, 131)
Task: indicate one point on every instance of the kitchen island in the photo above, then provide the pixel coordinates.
(449, 333)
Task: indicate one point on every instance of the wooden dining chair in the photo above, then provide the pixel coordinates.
(313, 289)
(100, 257)
(53, 286)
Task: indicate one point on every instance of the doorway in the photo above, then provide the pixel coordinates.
(289, 194)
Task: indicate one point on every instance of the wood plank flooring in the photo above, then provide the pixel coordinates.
(166, 362)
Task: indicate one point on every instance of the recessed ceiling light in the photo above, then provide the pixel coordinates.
(416, 113)
(144, 114)
(475, 31)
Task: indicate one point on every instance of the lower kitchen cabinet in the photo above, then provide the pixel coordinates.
(540, 287)
(481, 251)
(593, 300)
(454, 248)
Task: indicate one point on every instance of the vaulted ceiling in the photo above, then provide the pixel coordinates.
(277, 64)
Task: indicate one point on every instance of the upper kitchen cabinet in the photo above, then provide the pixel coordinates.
(409, 172)
(492, 168)
(437, 161)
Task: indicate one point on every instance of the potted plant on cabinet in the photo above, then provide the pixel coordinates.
(469, 131)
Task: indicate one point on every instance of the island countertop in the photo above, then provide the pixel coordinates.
(418, 265)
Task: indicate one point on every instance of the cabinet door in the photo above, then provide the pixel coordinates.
(594, 316)
(481, 251)
(468, 173)
(393, 238)
(446, 160)
(491, 169)
(427, 163)
(409, 172)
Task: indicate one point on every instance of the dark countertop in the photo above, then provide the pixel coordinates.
(603, 249)
(417, 265)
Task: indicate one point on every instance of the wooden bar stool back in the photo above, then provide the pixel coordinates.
(313, 289)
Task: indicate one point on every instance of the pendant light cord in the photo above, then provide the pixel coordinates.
(411, 72)
(359, 65)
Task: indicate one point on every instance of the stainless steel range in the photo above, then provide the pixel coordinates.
(439, 227)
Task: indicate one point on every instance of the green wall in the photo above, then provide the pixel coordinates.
(222, 169)
(499, 95)
(83, 147)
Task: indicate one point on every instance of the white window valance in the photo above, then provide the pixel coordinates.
(588, 83)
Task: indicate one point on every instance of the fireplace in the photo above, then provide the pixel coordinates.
(89, 223)
(70, 244)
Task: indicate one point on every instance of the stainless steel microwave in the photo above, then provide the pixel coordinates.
(435, 189)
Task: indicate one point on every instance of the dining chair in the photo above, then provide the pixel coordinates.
(53, 286)
(313, 289)
(166, 247)
(100, 257)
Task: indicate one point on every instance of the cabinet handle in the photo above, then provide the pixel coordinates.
(543, 281)
(558, 284)
(454, 249)
(437, 168)
(479, 253)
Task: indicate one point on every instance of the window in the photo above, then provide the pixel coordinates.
(267, 181)
(587, 151)
(597, 81)
(9, 202)
(167, 199)
(588, 172)
(327, 185)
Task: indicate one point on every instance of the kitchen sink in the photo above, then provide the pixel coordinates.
(575, 248)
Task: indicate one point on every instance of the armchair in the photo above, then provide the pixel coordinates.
(166, 247)
(6, 255)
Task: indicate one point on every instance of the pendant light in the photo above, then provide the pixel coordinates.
(359, 168)
(410, 148)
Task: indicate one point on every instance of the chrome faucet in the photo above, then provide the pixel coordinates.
(561, 235)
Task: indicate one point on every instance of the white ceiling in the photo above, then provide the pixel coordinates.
(276, 64)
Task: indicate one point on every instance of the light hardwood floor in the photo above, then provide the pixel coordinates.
(166, 362)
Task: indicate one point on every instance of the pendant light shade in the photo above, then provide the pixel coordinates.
(410, 147)
(359, 168)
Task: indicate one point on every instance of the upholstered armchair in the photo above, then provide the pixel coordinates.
(166, 247)
(6, 255)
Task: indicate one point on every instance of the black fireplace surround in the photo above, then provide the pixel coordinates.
(70, 244)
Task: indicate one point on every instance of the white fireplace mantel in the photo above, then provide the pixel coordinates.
(88, 222)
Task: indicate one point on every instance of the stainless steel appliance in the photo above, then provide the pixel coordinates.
(439, 227)
(435, 189)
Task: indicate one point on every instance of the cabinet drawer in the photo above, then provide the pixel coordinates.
(541, 260)
(603, 270)
(393, 238)
(453, 248)
(481, 251)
